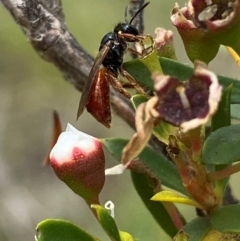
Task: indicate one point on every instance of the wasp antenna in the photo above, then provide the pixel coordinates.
(138, 11)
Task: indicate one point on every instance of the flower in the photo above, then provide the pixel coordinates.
(191, 103)
(206, 24)
(78, 160)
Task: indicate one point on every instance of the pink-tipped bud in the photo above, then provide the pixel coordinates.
(164, 43)
(78, 160)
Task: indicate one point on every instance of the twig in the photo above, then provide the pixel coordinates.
(134, 5)
(50, 37)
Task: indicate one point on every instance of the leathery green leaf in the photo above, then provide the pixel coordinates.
(144, 188)
(107, 222)
(222, 118)
(222, 146)
(226, 219)
(156, 161)
(235, 111)
(139, 72)
(61, 230)
(223, 115)
(194, 230)
(138, 99)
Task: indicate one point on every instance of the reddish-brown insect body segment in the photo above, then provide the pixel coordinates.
(98, 104)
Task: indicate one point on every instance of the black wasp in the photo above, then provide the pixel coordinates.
(95, 95)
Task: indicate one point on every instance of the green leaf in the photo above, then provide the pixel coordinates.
(176, 69)
(223, 115)
(107, 222)
(138, 100)
(145, 190)
(139, 72)
(163, 168)
(222, 146)
(173, 68)
(196, 229)
(226, 219)
(61, 230)
(235, 111)
(222, 118)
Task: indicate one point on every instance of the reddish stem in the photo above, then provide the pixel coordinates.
(174, 214)
(228, 171)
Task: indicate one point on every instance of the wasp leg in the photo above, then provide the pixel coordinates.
(132, 81)
(133, 51)
(131, 37)
(116, 84)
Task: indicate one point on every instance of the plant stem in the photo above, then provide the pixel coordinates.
(174, 215)
(215, 176)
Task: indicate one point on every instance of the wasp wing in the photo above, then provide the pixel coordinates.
(92, 75)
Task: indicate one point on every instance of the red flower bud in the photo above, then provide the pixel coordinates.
(78, 160)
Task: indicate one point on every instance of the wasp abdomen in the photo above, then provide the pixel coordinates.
(98, 104)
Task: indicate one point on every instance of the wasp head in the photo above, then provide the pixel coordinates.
(126, 28)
